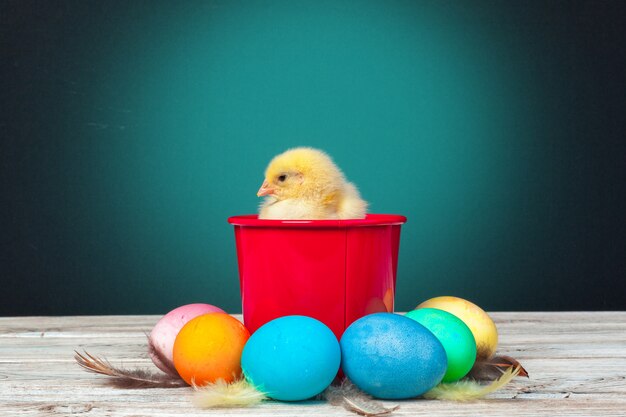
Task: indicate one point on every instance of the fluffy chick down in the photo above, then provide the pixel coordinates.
(304, 183)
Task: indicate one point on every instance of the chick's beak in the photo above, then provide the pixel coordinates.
(265, 189)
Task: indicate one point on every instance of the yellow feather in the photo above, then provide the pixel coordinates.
(239, 393)
(467, 390)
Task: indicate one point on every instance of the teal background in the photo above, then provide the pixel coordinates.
(132, 130)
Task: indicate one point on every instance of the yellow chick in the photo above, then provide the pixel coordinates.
(304, 183)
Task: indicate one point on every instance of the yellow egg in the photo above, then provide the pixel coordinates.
(482, 326)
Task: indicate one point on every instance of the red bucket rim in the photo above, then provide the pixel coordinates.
(369, 220)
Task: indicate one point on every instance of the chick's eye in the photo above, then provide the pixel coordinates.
(282, 178)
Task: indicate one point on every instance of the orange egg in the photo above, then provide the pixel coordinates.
(209, 348)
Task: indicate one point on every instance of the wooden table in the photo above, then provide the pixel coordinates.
(576, 362)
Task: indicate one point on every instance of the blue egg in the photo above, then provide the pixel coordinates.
(391, 356)
(291, 358)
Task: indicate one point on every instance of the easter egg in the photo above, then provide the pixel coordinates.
(291, 358)
(164, 333)
(482, 326)
(454, 335)
(209, 348)
(391, 356)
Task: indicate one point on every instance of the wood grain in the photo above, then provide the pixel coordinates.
(576, 362)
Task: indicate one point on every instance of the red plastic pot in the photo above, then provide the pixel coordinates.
(333, 270)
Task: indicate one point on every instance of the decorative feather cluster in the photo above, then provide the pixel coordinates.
(348, 396)
(470, 389)
(492, 369)
(487, 376)
(239, 393)
(127, 378)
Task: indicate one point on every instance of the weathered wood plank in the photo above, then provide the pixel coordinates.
(577, 364)
(181, 407)
(117, 326)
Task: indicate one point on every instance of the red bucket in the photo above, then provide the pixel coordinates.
(333, 270)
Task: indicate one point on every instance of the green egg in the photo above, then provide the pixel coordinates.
(454, 335)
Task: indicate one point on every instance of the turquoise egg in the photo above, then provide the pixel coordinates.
(391, 356)
(457, 339)
(291, 358)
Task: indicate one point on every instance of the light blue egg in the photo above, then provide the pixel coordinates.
(291, 358)
(391, 356)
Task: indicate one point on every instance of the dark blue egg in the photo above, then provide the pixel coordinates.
(392, 357)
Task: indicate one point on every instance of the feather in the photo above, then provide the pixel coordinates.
(220, 394)
(348, 396)
(492, 369)
(468, 389)
(127, 378)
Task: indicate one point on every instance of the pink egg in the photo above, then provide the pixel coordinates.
(164, 333)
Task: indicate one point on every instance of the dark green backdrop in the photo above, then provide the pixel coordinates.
(130, 131)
